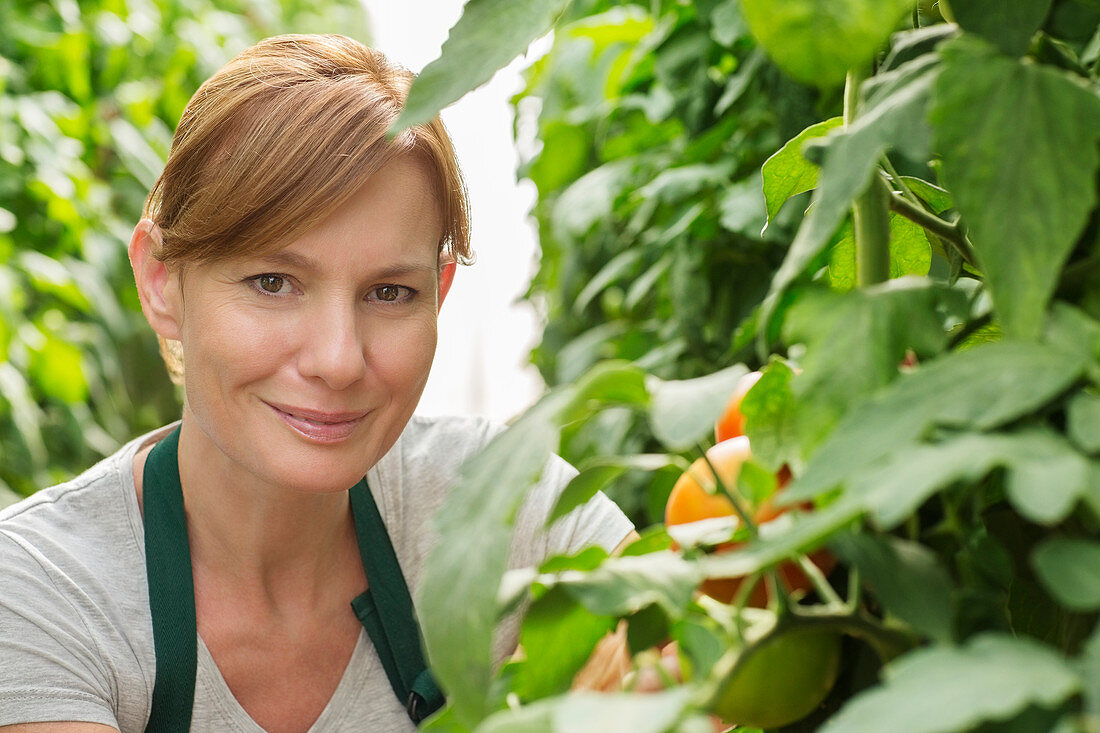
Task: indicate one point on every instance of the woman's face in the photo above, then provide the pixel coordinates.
(304, 365)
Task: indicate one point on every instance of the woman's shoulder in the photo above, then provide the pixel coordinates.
(97, 505)
(74, 606)
(449, 434)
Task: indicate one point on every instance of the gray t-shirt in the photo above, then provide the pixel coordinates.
(76, 637)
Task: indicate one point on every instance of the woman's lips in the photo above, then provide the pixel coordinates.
(320, 427)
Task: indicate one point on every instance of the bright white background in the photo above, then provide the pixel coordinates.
(484, 335)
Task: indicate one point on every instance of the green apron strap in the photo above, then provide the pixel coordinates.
(171, 589)
(386, 611)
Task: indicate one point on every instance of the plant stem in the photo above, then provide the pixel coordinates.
(734, 498)
(896, 178)
(870, 210)
(871, 219)
(855, 589)
(946, 231)
(820, 582)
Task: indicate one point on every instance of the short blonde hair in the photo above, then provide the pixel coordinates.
(278, 139)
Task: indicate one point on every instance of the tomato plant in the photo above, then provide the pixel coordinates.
(698, 496)
(821, 191)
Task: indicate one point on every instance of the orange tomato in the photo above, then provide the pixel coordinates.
(732, 423)
(696, 496)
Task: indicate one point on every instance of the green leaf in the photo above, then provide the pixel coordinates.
(1023, 182)
(800, 533)
(931, 194)
(477, 517)
(137, 155)
(583, 487)
(1046, 477)
(617, 268)
(908, 45)
(770, 415)
(591, 712)
(787, 172)
(910, 253)
(685, 181)
(891, 117)
(1073, 331)
(981, 388)
(589, 199)
(1083, 421)
(818, 41)
(855, 341)
(742, 207)
(892, 569)
(56, 367)
(27, 417)
(486, 38)
(683, 412)
(1008, 23)
(606, 384)
(557, 637)
(992, 677)
(597, 474)
(1089, 666)
(726, 23)
(1069, 569)
(625, 585)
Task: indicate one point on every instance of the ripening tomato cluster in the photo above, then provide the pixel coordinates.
(697, 496)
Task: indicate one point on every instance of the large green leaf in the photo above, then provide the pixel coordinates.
(910, 252)
(1008, 23)
(946, 689)
(892, 569)
(625, 585)
(981, 388)
(1045, 476)
(477, 517)
(855, 341)
(590, 712)
(787, 172)
(589, 199)
(770, 417)
(1019, 147)
(1069, 568)
(683, 412)
(892, 116)
(818, 41)
(486, 38)
(597, 474)
(558, 636)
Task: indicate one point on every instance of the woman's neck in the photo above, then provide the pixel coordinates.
(270, 545)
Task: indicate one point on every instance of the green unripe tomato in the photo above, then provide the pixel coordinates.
(780, 679)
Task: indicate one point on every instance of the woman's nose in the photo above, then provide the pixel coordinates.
(332, 348)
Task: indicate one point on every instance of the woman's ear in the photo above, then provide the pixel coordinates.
(446, 277)
(157, 286)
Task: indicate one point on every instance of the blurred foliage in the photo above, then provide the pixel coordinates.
(927, 328)
(653, 121)
(90, 92)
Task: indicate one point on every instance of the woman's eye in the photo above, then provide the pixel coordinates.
(270, 284)
(392, 293)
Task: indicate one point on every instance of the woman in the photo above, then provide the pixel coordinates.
(292, 261)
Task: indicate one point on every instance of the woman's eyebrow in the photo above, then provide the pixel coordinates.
(302, 262)
(288, 259)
